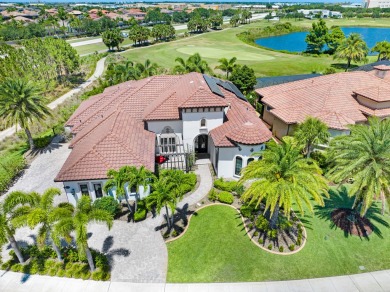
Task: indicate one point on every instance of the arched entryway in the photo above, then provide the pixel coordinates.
(201, 143)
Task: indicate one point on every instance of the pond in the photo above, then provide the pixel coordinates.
(295, 42)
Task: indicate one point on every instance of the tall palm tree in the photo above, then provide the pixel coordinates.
(146, 69)
(283, 178)
(364, 156)
(41, 212)
(10, 210)
(140, 177)
(227, 65)
(311, 132)
(21, 104)
(125, 72)
(83, 214)
(353, 48)
(194, 63)
(118, 180)
(383, 50)
(162, 196)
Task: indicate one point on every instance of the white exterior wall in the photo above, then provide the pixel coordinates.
(73, 192)
(191, 124)
(158, 126)
(227, 158)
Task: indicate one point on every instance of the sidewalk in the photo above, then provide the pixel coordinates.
(370, 282)
(98, 72)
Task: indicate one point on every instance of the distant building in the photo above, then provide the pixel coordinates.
(323, 13)
(377, 3)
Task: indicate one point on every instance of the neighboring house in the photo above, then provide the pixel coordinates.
(276, 80)
(338, 100)
(137, 122)
(377, 3)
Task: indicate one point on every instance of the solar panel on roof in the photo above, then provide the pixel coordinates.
(213, 85)
(237, 92)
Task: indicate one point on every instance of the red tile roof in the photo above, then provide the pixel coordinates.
(331, 98)
(110, 129)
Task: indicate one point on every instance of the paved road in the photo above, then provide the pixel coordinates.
(367, 282)
(98, 72)
(177, 27)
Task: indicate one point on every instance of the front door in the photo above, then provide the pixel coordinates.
(201, 144)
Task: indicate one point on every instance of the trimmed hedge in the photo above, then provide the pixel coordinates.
(10, 166)
(229, 186)
(225, 197)
(109, 204)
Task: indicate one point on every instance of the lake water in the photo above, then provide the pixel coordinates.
(295, 42)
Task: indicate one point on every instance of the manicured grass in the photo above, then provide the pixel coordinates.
(216, 249)
(215, 45)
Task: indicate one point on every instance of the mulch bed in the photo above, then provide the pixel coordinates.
(350, 221)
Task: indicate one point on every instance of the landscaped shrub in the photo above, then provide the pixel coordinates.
(140, 215)
(213, 195)
(44, 262)
(262, 223)
(10, 166)
(291, 247)
(250, 226)
(246, 210)
(228, 186)
(43, 139)
(256, 233)
(281, 248)
(174, 233)
(108, 204)
(270, 246)
(272, 233)
(225, 197)
(261, 241)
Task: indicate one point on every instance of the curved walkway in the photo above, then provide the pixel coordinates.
(98, 72)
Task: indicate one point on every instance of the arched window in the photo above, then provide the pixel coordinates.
(203, 122)
(249, 160)
(238, 165)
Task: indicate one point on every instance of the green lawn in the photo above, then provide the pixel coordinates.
(216, 249)
(215, 45)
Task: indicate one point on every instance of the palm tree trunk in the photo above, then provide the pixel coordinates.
(57, 250)
(274, 218)
(16, 249)
(308, 150)
(383, 199)
(167, 214)
(89, 258)
(128, 204)
(30, 138)
(348, 64)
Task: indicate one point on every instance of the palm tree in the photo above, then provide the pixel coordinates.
(383, 50)
(162, 196)
(41, 212)
(10, 210)
(178, 180)
(118, 180)
(310, 133)
(283, 178)
(125, 72)
(21, 104)
(140, 177)
(193, 64)
(353, 48)
(83, 214)
(145, 70)
(364, 156)
(227, 65)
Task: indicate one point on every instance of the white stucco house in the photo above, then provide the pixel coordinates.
(136, 122)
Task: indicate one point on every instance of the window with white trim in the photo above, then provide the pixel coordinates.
(203, 123)
(238, 166)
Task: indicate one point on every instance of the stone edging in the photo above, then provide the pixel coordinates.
(246, 230)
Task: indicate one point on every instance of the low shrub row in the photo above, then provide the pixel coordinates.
(109, 204)
(10, 166)
(223, 197)
(229, 186)
(44, 262)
